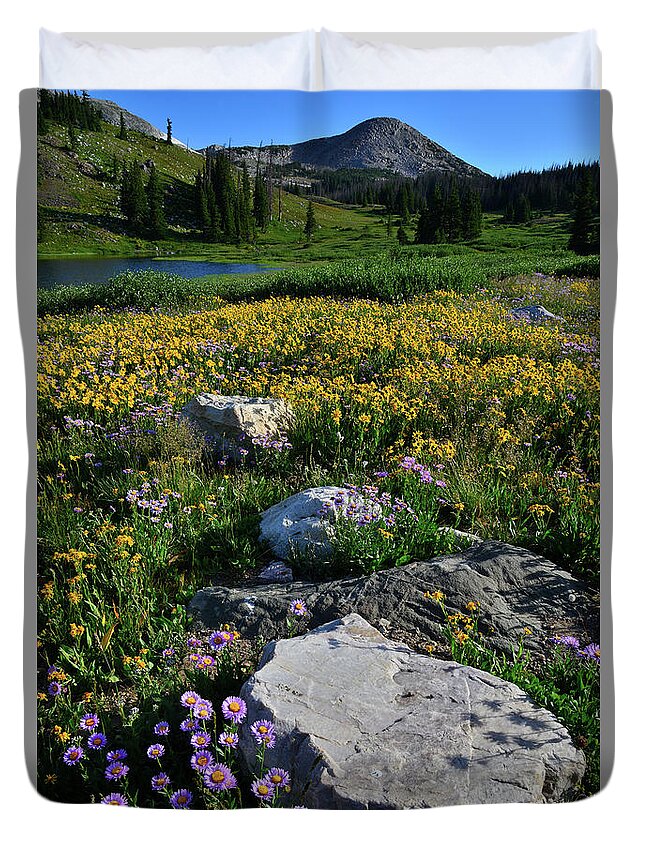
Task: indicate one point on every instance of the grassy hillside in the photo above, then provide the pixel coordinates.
(78, 196)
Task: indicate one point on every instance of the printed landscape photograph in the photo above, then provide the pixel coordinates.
(318, 454)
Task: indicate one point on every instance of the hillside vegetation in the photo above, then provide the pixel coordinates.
(79, 210)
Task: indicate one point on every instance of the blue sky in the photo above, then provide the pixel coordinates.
(497, 131)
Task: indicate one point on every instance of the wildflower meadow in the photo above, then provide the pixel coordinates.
(440, 413)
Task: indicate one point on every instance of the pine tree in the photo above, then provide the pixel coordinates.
(424, 232)
(585, 238)
(201, 206)
(72, 138)
(260, 203)
(156, 218)
(244, 206)
(453, 223)
(134, 203)
(123, 133)
(523, 209)
(126, 192)
(168, 132)
(437, 217)
(401, 236)
(472, 215)
(224, 189)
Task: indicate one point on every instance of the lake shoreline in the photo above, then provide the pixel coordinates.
(75, 271)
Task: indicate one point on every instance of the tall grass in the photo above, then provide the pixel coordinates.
(393, 277)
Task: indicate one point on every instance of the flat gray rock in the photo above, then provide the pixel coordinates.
(515, 588)
(363, 723)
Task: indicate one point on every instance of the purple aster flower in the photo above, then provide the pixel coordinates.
(568, 641)
(228, 739)
(55, 688)
(162, 728)
(234, 708)
(263, 789)
(160, 781)
(116, 770)
(298, 607)
(200, 739)
(218, 777)
(168, 653)
(592, 651)
(278, 777)
(156, 750)
(193, 643)
(89, 722)
(203, 710)
(207, 660)
(115, 800)
(201, 760)
(96, 740)
(264, 733)
(73, 755)
(189, 699)
(218, 640)
(189, 725)
(117, 755)
(181, 799)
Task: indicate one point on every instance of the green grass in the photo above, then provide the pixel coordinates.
(403, 274)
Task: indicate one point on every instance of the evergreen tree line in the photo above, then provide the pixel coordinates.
(450, 216)
(228, 209)
(515, 195)
(68, 108)
(224, 204)
(142, 202)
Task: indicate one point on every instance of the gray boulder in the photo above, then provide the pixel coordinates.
(533, 314)
(363, 723)
(228, 420)
(515, 588)
(304, 522)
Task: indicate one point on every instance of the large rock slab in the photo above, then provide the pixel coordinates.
(363, 723)
(234, 418)
(515, 588)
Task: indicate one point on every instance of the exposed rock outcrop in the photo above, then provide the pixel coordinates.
(363, 723)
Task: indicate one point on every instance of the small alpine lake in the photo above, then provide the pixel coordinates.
(91, 270)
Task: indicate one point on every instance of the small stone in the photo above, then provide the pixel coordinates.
(533, 314)
(276, 572)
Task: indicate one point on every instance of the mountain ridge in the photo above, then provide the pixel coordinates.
(381, 142)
